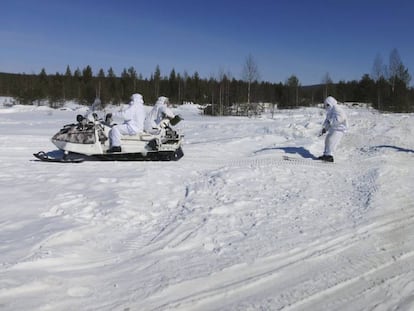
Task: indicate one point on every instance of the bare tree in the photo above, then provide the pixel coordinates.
(327, 81)
(250, 74)
(397, 70)
(395, 62)
(378, 68)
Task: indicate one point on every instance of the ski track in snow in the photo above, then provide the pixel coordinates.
(231, 226)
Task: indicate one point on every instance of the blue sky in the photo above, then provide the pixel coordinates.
(303, 38)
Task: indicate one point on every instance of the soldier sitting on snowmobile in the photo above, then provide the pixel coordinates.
(335, 124)
(92, 115)
(159, 112)
(134, 116)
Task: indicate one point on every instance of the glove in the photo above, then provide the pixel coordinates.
(164, 123)
(322, 132)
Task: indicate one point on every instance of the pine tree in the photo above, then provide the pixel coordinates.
(113, 89)
(173, 87)
(88, 92)
(157, 79)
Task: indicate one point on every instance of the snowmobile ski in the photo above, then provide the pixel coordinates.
(43, 156)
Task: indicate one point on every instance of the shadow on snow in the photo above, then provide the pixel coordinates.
(303, 152)
(399, 149)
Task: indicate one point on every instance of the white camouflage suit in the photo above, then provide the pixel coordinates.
(134, 116)
(335, 124)
(155, 116)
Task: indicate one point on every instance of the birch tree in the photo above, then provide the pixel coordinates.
(250, 74)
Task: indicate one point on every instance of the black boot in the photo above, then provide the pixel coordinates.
(329, 158)
(114, 149)
(326, 158)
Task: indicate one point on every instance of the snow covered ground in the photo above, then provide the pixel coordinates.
(231, 226)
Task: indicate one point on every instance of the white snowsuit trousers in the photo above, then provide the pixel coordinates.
(331, 141)
(115, 134)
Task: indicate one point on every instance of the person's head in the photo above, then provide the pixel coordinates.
(162, 100)
(330, 102)
(136, 99)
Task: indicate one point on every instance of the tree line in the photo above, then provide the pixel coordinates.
(386, 88)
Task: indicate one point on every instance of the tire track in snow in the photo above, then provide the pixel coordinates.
(365, 188)
(336, 281)
(277, 161)
(363, 183)
(377, 267)
(211, 186)
(188, 216)
(362, 188)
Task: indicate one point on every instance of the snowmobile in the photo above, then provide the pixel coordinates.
(88, 140)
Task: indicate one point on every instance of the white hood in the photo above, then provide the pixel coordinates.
(162, 100)
(336, 118)
(330, 102)
(137, 99)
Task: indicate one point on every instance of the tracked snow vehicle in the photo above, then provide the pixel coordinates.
(88, 140)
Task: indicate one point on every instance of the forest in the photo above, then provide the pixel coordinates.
(386, 88)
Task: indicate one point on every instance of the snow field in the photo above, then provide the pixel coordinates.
(231, 226)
